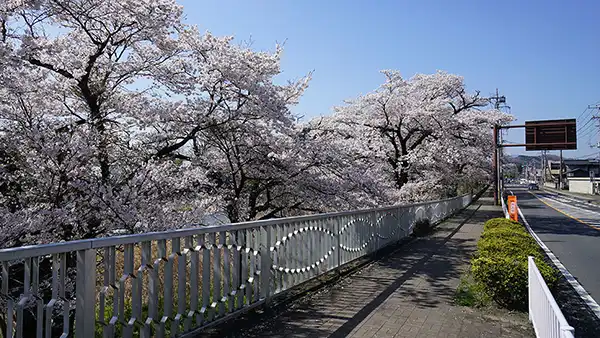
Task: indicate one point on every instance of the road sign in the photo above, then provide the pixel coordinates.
(513, 210)
(551, 135)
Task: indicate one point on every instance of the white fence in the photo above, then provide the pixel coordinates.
(545, 315)
(181, 281)
(504, 208)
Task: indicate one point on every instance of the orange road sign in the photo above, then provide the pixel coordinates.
(513, 212)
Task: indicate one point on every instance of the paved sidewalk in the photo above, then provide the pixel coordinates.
(406, 294)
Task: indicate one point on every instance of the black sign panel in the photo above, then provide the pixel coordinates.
(551, 135)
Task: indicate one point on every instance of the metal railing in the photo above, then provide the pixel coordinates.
(173, 282)
(545, 315)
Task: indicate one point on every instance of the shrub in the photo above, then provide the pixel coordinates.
(501, 222)
(422, 227)
(500, 264)
(505, 278)
(514, 246)
(508, 241)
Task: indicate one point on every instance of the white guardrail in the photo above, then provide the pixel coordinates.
(545, 315)
(181, 281)
(504, 208)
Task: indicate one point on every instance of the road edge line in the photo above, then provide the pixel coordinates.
(595, 227)
(569, 205)
(584, 295)
(579, 199)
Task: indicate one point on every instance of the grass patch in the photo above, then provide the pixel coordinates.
(471, 293)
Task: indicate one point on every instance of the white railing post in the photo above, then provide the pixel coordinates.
(265, 262)
(376, 230)
(567, 331)
(529, 286)
(545, 315)
(85, 293)
(338, 250)
(399, 228)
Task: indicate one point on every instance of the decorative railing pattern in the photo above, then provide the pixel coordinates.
(181, 281)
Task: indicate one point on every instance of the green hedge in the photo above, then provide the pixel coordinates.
(508, 241)
(500, 264)
(501, 222)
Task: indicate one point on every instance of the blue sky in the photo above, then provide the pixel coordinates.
(542, 55)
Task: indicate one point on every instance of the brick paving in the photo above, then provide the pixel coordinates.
(406, 294)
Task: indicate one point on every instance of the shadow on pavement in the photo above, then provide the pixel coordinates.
(560, 225)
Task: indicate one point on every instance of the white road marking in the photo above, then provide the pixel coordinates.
(571, 199)
(589, 217)
(585, 296)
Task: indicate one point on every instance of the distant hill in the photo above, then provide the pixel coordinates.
(527, 159)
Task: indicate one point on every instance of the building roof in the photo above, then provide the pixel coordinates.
(581, 162)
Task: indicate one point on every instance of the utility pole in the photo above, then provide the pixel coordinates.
(499, 101)
(560, 172)
(594, 190)
(543, 178)
(495, 165)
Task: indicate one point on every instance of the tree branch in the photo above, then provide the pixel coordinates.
(48, 66)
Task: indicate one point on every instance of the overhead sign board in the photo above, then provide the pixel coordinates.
(551, 135)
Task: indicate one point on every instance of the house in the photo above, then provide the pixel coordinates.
(583, 176)
(551, 172)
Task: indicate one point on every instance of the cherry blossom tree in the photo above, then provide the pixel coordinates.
(109, 111)
(69, 114)
(422, 136)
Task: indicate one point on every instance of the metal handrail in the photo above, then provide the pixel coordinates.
(189, 230)
(171, 282)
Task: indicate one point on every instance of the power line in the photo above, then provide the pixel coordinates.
(588, 127)
(589, 109)
(587, 132)
(584, 126)
(586, 108)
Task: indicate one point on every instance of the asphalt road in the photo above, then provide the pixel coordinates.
(568, 227)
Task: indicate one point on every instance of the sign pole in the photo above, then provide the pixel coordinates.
(495, 165)
(560, 173)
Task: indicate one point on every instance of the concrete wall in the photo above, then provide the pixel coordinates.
(581, 185)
